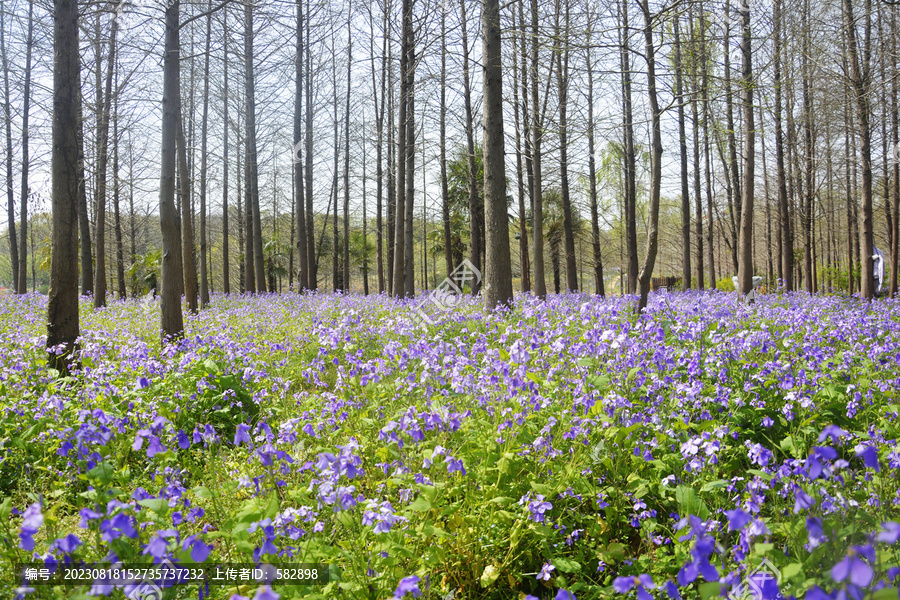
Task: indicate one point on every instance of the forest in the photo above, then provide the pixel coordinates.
(450, 300)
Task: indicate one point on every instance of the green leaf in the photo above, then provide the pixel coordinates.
(5, 509)
(690, 503)
(157, 505)
(103, 472)
(792, 570)
(565, 565)
(886, 594)
(203, 492)
(489, 576)
(710, 589)
(420, 504)
(715, 485)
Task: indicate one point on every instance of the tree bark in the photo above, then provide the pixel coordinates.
(682, 137)
(537, 202)
(10, 200)
(120, 251)
(346, 261)
(498, 289)
(22, 286)
(172, 320)
(252, 170)
(599, 285)
(695, 129)
(445, 192)
(860, 80)
(745, 220)
(787, 252)
(226, 257)
(204, 275)
(629, 156)
(562, 75)
(62, 308)
(102, 161)
(655, 161)
(475, 211)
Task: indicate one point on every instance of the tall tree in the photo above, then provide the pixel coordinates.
(204, 276)
(120, 251)
(22, 285)
(62, 307)
(251, 169)
(10, 201)
(346, 258)
(895, 128)
(860, 81)
(189, 269)
(599, 287)
(226, 258)
(630, 199)
(655, 160)
(102, 162)
(521, 124)
(787, 251)
(497, 270)
(312, 268)
(476, 218)
(695, 131)
(537, 207)
(682, 150)
(379, 148)
(745, 256)
(562, 76)
(172, 319)
(445, 193)
(299, 203)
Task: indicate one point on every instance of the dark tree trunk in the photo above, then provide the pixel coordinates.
(102, 161)
(498, 289)
(313, 266)
(172, 320)
(346, 261)
(445, 192)
(475, 211)
(745, 218)
(252, 170)
(695, 129)
(537, 199)
(521, 117)
(682, 137)
(62, 307)
(629, 157)
(120, 251)
(562, 74)
(787, 251)
(226, 257)
(10, 200)
(22, 286)
(187, 227)
(204, 276)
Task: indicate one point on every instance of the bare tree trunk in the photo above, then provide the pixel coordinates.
(537, 201)
(102, 161)
(299, 208)
(187, 227)
(252, 169)
(10, 201)
(172, 320)
(409, 268)
(599, 285)
(685, 193)
(398, 288)
(655, 161)
(226, 258)
(704, 92)
(62, 307)
(379, 156)
(120, 251)
(498, 289)
(695, 128)
(313, 266)
(346, 261)
(895, 125)
(860, 79)
(732, 164)
(204, 276)
(562, 74)
(132, 221)
(629, 156)
(445, 192)
(521, 117)
(22, 286)
(809, 142)
(475, 211)
(745, 263)
(787, 252)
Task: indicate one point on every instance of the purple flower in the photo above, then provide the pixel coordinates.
(545, 572)
(869, 456)
(199, 549)
(672, 590)
(184, 442)
(890, 532)
(817, 593)
(642, 582)
(266, 593)
(832, 432)
(155, 447)
(157, 548)
(816, 533)
(802, 501)
(242, 434)
(31, 522)
(408, 585)
(853, 567)
(454, 464)
(564, 595)
(68, 544)
(737, 519)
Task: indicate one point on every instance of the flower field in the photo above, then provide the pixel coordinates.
(562, 449)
